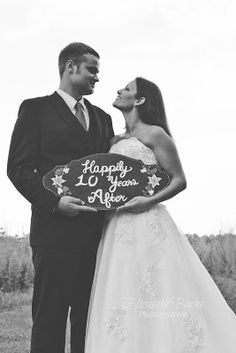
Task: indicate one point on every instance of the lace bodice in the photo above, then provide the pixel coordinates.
(134, 148)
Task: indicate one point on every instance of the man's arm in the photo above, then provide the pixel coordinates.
(23, 159)
(110, 131)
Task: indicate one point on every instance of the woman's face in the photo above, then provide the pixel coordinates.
(126, 98)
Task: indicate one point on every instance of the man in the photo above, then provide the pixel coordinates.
(64, 234)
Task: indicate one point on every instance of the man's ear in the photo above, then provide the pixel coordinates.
(139, 101)
(70, 66)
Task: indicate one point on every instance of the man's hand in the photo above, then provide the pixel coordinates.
(71, 206)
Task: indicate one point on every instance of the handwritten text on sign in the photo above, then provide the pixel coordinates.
(106, 181)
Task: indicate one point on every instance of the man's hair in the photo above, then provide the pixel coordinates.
(74, 51)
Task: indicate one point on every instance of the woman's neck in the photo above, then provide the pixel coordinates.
(133, 123)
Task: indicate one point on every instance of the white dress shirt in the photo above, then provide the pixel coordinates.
(71, 102)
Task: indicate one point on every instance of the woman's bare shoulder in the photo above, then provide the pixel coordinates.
(153, 134)
(117, 138)
(155, 130)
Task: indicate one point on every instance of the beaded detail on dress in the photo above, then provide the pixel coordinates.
(194, 333)
(124, 233)
(134, 148)
(115, 323)
(148, 282)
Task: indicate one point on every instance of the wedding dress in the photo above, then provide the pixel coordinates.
(151, 293)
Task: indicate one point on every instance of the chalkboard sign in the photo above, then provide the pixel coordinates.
(106, 180)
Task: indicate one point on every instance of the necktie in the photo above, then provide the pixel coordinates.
(80, 115)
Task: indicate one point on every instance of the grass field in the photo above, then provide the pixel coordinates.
(15, 327)
(217, 253)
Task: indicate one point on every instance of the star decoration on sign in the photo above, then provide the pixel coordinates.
(66, 170)
(59, 191)
(143, 170)
(58, 181)
(154, 181)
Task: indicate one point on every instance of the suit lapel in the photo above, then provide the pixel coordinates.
(94, 134)
(69, 118)
(95, 126)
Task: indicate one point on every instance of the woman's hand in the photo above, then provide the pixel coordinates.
(137, 204)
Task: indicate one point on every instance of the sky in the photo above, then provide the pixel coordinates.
(188, 48)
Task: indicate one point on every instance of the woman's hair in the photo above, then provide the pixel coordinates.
(152, 111)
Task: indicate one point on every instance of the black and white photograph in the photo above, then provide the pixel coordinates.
(117, 212)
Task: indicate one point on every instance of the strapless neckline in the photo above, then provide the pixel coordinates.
(134, 148)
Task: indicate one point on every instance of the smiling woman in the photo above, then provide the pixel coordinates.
(149, 102)
(144, 259)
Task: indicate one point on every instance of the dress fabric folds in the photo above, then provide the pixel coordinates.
(151, 293)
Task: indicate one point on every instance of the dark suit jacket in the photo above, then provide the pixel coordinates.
(47, 134)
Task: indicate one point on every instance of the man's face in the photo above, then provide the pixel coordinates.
(126, 98)
(84, 75)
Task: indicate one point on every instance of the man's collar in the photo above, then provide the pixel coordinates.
(70, 101)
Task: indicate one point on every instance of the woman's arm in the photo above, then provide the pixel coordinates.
(166, 154)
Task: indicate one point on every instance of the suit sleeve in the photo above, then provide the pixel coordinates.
(23, 159)
(110, 131)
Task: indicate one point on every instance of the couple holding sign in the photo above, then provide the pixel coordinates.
(149, 291)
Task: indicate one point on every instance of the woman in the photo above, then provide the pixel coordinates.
(151, 292)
